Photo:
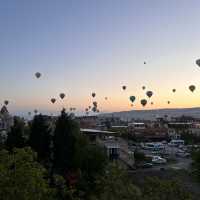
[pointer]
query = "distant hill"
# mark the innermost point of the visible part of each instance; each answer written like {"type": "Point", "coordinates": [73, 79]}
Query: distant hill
{"type": "Point", "coordinates": [152, 114]}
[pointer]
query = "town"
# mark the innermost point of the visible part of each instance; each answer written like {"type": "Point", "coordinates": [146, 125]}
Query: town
{"type": "Point", "coordinates": [138, 146]}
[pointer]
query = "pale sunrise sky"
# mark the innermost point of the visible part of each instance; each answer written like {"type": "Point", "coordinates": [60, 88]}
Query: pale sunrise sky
{"type": "Point", "coordinates": [85, 46]}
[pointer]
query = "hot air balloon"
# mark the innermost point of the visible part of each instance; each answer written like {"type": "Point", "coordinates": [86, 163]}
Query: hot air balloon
{"type": "Point", "coordinates": [38, 74]}
{"type": "Point", "coordinates": [6, 102]}
{"type": "Point", "coordinates": [71, 109]}
{"type": "Point", "coordinates": [143, 87]}
{"type": "Point", "coordinates": [132, 98]}
{"type": "Point", "coordinates": [93, 94]}
{"type": "Point", "coordinates": [198, 62]}
{"type": "Point", "coordinates": [94, 109]}
{"type": "Point", "coordinates": [143, 102]}
{"type": "Point", "coordinates": [151, 103]}
{"type": "Point", "coordinates": [131, 105]}
{"type": "Point", "coordinates": [106, 98]}
{"type": "Point", "coordinates": [86, 110]}
{"type": "Point", "coordinates": [149, 94]}
{"type": "Point", "coordinates": [62, 95]}
{"type": "Point", "coordinates": [145, 63]}
{"type": "Point", "coordinates": [89, 107]}
{"type": "Point", "coordinates": [192, 88]}
{"type": "Point", "coordinates": [74, 109]}
{"type": "Point", "coordinates": [53, 100]}
{"type": "Point", "coordinates": [174, 90]}
{"type": "Point", "coordinates": [123, 87]}
{"type": "Point", "coordinates": [35, 111]}
{"type": "Point", "coordinates": [95, 104]}
{"type": "Point", "coordinates": [168, 102]}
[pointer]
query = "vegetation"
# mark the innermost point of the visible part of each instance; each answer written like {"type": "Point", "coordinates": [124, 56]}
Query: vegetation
{"type": "Point", "coordinates": [21, 177]}
{"type": "Point", "coordinates": [60, 163]}
{"type": "Point", "coordinates": [156, 189]}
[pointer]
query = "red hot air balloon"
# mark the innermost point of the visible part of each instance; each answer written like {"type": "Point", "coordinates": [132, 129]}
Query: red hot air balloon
{"type": "Point", "coordinates": [95, 104]}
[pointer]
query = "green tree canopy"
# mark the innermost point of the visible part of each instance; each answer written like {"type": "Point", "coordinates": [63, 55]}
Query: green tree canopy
{"type": "Point", "coordinates": [21, 177]}
{"type": "Point", "coordinates": [40, 137]}
{"type": "Point", "coordinates": [156, 189]}
{"type": "Point", "coordinates": [16, 136]}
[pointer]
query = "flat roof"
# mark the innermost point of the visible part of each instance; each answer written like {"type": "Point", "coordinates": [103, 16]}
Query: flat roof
{"type": "Point", "coordinates": [94, 131]}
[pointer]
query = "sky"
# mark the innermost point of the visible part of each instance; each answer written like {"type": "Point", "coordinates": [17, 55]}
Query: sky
{"type": "Point", "coordinates": [89, 46]}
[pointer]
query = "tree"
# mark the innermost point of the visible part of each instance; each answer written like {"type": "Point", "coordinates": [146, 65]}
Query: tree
{"type": "Point", "coordinates": [16, 136]}
{"type": "Point", "coordinates": [21, 177]}
{"type": "Point", "coordinates": [139, 156]}
{"type": "Point", "coordinates": [115, 185]}
{"type": "Point", "coordinates": [196, 164]}
{"type": "Point", "coordinates": [156, 189]}
{"type": "Point", "coordinates": [65, 137]}
{"type": "Point", "coordinates": [40, 137]}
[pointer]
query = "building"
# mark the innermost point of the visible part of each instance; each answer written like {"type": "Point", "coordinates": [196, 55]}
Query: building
{"type": "Point", "coordinates": [6, 122]}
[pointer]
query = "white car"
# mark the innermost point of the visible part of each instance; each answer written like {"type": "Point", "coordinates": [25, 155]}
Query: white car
{"type": "Point", "coordinates": [158, 160]}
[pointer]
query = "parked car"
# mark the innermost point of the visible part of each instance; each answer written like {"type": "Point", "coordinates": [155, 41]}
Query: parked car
{"type": "Point", "coordinates": [147, 165]}
{"type": "Point", "coordinates": [144, 165]}
{"type": "Point", "coordinates": [158, 160]}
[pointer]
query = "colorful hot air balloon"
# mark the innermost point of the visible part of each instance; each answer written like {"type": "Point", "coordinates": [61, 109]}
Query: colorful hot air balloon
{"type": "Point", "coordinates": [6, 102]}
{"type": "Point", "coordinates": [149, 94]}
{"type": "Point", "coordinates": [192, 88]}
{"type": "Point", "coordinates": [198, 62]}
{"type": "Point", "coordinates": [143, 87]}
{"type": "Point", "coordinates": [93, 94]}
{"type": "Point", "coordinates": [174, 90]}
{"type": "Point", "coordinates": [38, 74]}
{"type": "Point", "coordinates": [62, 95]}
{"type": "Point", "coordinates": [132, 98]}
{"type": "Point", "coordinates": [143, 102]}
{"type": "Point", "coordinates": [53, 100]}
{"type": "Point", "coordinates": [123, 87]}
